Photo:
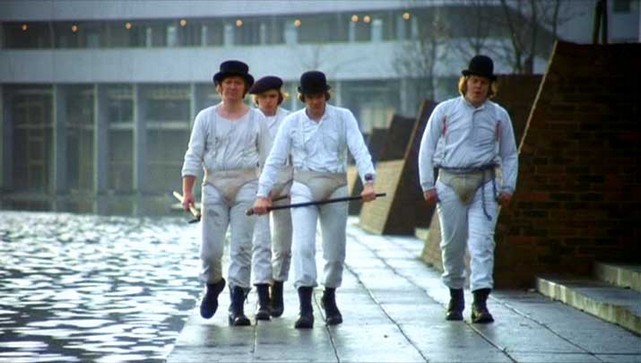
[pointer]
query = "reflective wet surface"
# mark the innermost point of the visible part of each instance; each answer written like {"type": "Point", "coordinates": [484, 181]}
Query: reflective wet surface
{"type": "Point", "coordinates": [83, 288]}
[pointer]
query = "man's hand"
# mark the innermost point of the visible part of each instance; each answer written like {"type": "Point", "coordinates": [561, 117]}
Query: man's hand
{"type": "Point", "coordinates": [261, 204]}
{"type": "Point", "coordinates": [430, 197]}
{"type": "Point", "coordinates": [504, 199]}
{"type": "Point", "coordinates": [188, 201]}
{"type": "Point", "coordinates": [368, 194]}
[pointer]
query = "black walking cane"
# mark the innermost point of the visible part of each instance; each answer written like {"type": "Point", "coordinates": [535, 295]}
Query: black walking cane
{"type": "Point", "coordinates": [250, 211]}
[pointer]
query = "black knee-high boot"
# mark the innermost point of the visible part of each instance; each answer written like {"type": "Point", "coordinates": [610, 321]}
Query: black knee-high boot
{"type": "Point", "coordinates": [263, 313]}
{"type": "Point", "coordinates": [236, 310]}
{"type": "Point", "coordinates": [306, 317]}
{"type": "Point", "coordinates": [276, 298]}
{"type": "Point", "coordinates": [456, 306]}
{"type": "Point", "coordinates": [209, 303]}
{"type": "Point", "coordinates": [480, 313]}
{"type": "Point", "coordinates": [328, 302]}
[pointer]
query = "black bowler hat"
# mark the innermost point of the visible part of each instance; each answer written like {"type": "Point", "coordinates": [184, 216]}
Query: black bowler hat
{"type": "Point", "coordinates": [313, 82]}
{"type": "Point", "coordinates": [265, 84]}
{"type": "Point", "coordinates": [480, 65]}
{"type": "Point", "coordinates": [233, 68]}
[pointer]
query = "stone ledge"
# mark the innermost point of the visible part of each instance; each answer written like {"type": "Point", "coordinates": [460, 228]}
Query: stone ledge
{"type": "Point", "coordinates": [610, 303]}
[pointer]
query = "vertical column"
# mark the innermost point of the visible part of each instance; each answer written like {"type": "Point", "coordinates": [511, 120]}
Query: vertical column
{"type": "Point", "coordinates": [6, 146]}
{"type": "Point", "coordinates": [228, 35]}
{"type": "Point", "coordinates": [203, 36]}
{"type": "Point", "coordinates": [351, 32]}
{"type": "Point", "coordinates": [377, 30]}
{"type": "Point", "coordinates": [149, 37]}
{"type": "Point", "coordinates": [140, 148]}
{"type": "Point", "coordinates": [263, 33]}
{"type": "Point", "coordinates": [59, 178]}
{"type": "Point", "coordinates": [101, 150]}
{"type": "Point", "coordinates": [291, 33]}
{"type": "Point", "coordinates": [400, 28]}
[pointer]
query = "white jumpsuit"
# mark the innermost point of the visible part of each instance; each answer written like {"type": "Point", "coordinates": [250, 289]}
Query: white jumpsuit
{"type": "Point", "coordinates": [318, 147]}
{"type": "Point", "coordinates": [222, 147]}
{"type": "Point", "coordinates": [460, 137]}
{"type": "Point", "coordinates": [272, 252]}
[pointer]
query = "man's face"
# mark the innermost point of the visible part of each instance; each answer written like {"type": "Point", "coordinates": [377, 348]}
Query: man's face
{"type": "Point", "coordinates": [268, 101]}
{"type": "Point", "coordinates": [233, 88]}
{"type": "Point", "coordinates": [477, 90]}
{"type": "Point", "coordinates": [315, 103]}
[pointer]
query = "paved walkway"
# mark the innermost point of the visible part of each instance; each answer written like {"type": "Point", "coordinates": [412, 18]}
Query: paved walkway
{"type": "Point", "coordinates": [393, 306]}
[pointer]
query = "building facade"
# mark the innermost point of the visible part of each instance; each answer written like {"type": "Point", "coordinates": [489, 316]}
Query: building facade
{"type": "Point", "coordinates": [97, 97]}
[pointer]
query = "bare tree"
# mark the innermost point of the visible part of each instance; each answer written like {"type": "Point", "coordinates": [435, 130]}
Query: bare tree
{"type": "Point", "coordinates": [532, 26]}
{"type": "Point", "coordinates": [417, 59]}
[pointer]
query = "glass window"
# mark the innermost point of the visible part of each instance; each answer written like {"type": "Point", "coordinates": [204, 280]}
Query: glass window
{"type": "Point", "coordinates": [622, 6]}
{"type": "Point", "coordinates": [189, 33]}
{"type": "Point", "coordinates": [247, 31]}
{"type": "Point", "coordinates": [214, 32]}
{"type": "Point", "coordinates": [27, 35]}
{"type": "Point", "coordinates": [30, 110]}
{"type": "Point", "coordinates": [324, 28]}
{"type": "Point", "coordinates": [168, 103]}
{"type": "Point", "coordinates": [120, 104]}
{"type": "Point", "coordinates": [69, 35]}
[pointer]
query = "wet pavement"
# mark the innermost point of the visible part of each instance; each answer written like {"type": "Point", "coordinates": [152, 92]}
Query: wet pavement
{"type": "Point", "coordinates": [82, 288]}
{"type": "Point", "coordinates": [393, 310]}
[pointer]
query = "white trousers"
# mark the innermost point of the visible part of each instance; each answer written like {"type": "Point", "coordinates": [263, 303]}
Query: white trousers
{"type": "Point", "coordinates": [333, 224]}
{"type": "Point", "coordinates": [467, 226]}
{"type": "Point", "coordinates": [281, 241]}
{"type": "Point", "coordinates": [272, 252]}
{"type": "Point", "coordinates": [217, 216]}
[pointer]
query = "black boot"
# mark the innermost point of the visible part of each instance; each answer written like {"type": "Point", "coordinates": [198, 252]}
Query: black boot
{"type": "Point", "coordinates": [236, 310]}
{"type": "Point", "coordinates": [306, 317]}
{"type": "Point", "coordinates": [480, 314]}
{"type": "Point", "coordinates": [277, 305]}
{"type": "Point", "coordinates": [328, 302]}
{"type": "Point", "coordinates": [209, 303]}
{"type": "Point", "coordinates": [456, 306]}
{"type": "Point", "coordinates": [263, 313]}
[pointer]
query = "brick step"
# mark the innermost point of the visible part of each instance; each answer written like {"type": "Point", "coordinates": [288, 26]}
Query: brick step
{"type": "Point", "coordinates": [618, 274]}
{"type": "Point", "coordinates": [615, 304]}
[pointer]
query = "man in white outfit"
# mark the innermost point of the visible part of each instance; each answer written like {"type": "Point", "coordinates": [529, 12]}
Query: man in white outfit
{"type": "Point", "coordinates": [229, 141]}
{"type": "Point", "coordinates": [317, 139]}
{"type": "Point", "coordinates": [276, 246]}
{"type": "Point", "coordinates": [466, 139]}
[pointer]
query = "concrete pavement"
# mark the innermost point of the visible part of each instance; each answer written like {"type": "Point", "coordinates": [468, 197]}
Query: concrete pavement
{"type": "Point", "coordinates": [393, 310]}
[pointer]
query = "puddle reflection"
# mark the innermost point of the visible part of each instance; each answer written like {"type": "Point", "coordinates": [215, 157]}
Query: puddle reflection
{"type": "Point", "coordinates": [79, 288]}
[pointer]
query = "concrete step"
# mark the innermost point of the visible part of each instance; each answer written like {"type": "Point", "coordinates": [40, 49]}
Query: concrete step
{"type": "Point", "coordinates": [618, 274]}
{"type": "Point", "coordinates": [617, 305]}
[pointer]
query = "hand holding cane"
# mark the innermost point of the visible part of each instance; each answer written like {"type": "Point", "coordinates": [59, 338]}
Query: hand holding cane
{"type": "Point", "coordinates": [192, 208]}
{"type": "Point", "coordinates": [250, 211]}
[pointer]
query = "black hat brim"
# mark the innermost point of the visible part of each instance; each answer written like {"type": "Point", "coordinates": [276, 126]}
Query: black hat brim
{"type": "Point", "coordinates": [220, 76]}
{"type": "Point", "coordinates": [472, 73]}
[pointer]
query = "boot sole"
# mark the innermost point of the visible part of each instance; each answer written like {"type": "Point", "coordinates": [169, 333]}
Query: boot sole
{"type": "Point", "coordinates": [263, 315]}
{"type": "Point", "coordinates": [482, 319]}
{"type": "Point", "coordinates": [239, 321]}
{"type": "Point", "coordinates": [454, 316]}
{"type": "Point", "coordinates": [303, 323]}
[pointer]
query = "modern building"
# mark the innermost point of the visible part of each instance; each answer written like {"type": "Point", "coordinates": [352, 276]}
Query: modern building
{"type": "Point", "coordinates": [97, 97]}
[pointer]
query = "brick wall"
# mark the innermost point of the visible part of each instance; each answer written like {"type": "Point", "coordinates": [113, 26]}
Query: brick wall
{"type": "Point", "coordinates": [578, 197]}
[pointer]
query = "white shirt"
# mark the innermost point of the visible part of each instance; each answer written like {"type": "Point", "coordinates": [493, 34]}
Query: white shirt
{"type": "Point", "coordinates": [274, 122]}
{"type": "Point", "coordinates": [217, 143]}
{"type": "Point", "coordinates": [459, 135]}
{"type": "Point", "coordinates": [317, 146]}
